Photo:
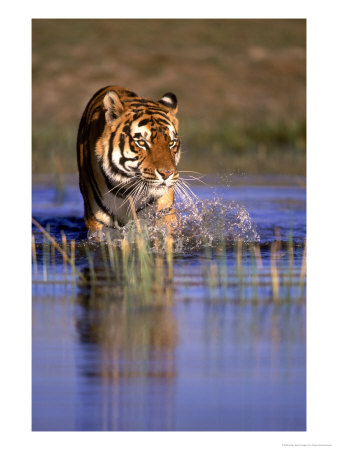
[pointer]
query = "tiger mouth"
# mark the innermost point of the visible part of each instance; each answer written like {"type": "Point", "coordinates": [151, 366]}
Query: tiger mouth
{"type": "Point", "coordinates": [160, 184]}
{"type": "Point", "coordinates": [159, 188]}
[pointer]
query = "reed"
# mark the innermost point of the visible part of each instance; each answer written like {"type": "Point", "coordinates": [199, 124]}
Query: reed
{"type": "Point", "coordinates": [52, 250]}
{"type": "Point", "coordinates": [206, 270]}
{"type": "Point", "coordinates": [47, 246]}
{"type": "Point", "coordinates": [223, 270]}
{"type": "Point", "coordinates": [258, 256]}
{"type": "Point", "coordinates": [290, 270]}
{"type": "Point", "coordinates": [239, 254]}
{"type": "Point", "coordinates": [133, 210]}
{"type": "Point", "coordinates": [35, 264]}
{"type": "Point", "coordinates": [159, 276]}
{"type": "Point", "coordinates": [72, 256]}
{"type": "Point", "coordinates": [143, 267]}
{"type": "Point", "coordinates": [169, 242]}
{"type": "Point", "coordinates": [44, 260]}
{"type": "Point", "coordinates": [302, 272]}
{"type": "Point", "coordinates": [111, 250]}
{"type": "Point", "coordinates": [133, 270]}
{"type": "Point", "coordinates": [274, 272]}
{"type": "Point", "coordinates": [57, 246]}
{"type": "Point", "coordinates": [213, 278]}
{"type": "Point", "coordinates": [125, 249]}
{"type": "Point", "coordinates": [239, 268]}
{"type": "Point", "coordinates": [278, 240]}
{"type": "Point", "coordinates": [290, 250]}
{"type": "Point", "coordinates": [254, 277]}
{"type": "Point", "coordinates": [92, 273]}
{"type": "Point", "coordinates": [115, 259]}
{"type": "Point", "coordinates": [104, 257]}
{"type": "Point", "coordinates": [64, 252]}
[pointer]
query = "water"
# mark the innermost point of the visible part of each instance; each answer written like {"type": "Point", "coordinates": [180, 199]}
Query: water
{"type": "Point", "coordinates": [212, 357]}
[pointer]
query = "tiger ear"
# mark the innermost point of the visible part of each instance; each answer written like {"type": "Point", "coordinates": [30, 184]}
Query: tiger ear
{"type": "Point", "coordinates": [170, 101]}
{"type": "Point", "coordinates": [113, 106]}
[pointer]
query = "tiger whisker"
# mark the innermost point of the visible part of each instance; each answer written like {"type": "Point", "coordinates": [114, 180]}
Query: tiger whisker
{"type": "Point", "coordinates": [185, 186]}
{"type": "Point", "coordinates": [195, 179]}
{"type": "Point", "coordinates": [131, 193]}
{"type": "Point", "coordinates": [128, 196]}
{"type": "Point", "coordinates": [186, 194]}
{"type": "Point", "coordinates": [139, 192]}
{"type": "Point", "coordinates": [182, 192]}
{"type": "Point", "coordinates": [134, 179]}
{"type": "Point", "coordinates": [132, 186]}
{"type": "Point", "coordinates": [120, 184]}
{"type": "Point", "coordinates": [136, 194]}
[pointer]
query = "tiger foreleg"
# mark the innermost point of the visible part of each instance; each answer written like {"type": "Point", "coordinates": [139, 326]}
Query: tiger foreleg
{"type": "Point", "coordinates": [169, 217]}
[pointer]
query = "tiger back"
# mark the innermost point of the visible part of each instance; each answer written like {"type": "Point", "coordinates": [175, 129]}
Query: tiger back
{"type": "Point", "coordinates": [127, 149]}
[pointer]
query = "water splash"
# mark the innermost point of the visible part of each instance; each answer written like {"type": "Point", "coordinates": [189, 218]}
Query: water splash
{"type": "Point", "coordinates": [209, 222]}
{"type": "Point", "coordinates": [203, 223]}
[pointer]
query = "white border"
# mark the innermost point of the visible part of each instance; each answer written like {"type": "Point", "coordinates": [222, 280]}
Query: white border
{"type": "Point", "coordinates": [322, 18]}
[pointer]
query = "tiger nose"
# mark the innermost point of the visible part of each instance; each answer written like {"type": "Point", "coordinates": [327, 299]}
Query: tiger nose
{"type": "Point", "coordinates": [165, 173]}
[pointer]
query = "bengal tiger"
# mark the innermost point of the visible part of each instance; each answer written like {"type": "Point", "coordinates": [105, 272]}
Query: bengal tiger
{"type": "Point", "coordinates": [127, 147]}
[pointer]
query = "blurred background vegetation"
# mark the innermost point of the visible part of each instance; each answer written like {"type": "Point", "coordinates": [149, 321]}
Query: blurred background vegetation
{"type": "Point", "coordinates": [241, 87]}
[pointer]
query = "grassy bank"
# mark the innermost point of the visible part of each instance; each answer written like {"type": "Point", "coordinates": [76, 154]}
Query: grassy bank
{"type": "Point", "coordinates": [240, 86]}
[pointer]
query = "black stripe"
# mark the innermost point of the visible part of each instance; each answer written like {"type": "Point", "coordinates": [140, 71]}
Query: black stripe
{"type": "Point", "coordinates": [126, 128]}
{"type": "Point", "coordinates": [143, 122]}
{"type": "Point", "coordinates": [140, 162]}
{"type": "Point", "coordinates": [155, 110]}
{"type": "Point", "coordinates": [133, 147]}
{"type": "Point", "coordinates": [94, 187]}
{"type": "Point", "coordinates": [112, 165]}
{"type": "Point", "coordinates": [110, 151]}
{"type": "Point", "coordinates": [97, 197]}
{"type": "Point", "coordinates": [91, 177]}
{"type": "Point", "coordinates": [158, 113]}
{"type": "Point", "coordinates": [121, 143]}
{"type": "Point", "coordinates": [123, 159]}
{"type": "Point", "coordinates": [109, 183]}
{"type": "Point", "coordinates": [117, 171]}
{"type": "Point", "coordinates": [137, 114]}
{"type": "Point", "coordinates": [130, 93]}
{"type": "Point", "coordinates": [163, 121]}
{"type": "Point", "coordinates": [141, 102]}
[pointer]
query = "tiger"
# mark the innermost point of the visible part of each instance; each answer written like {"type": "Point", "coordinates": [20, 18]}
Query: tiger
{"type": "Point", "coordinates": [128, 149]}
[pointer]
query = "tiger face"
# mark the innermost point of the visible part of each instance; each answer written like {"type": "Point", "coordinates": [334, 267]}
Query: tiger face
{"type": "Point", "coordinates": [141, 143]}
{"type": "Point", "coordinates": [128, 149]}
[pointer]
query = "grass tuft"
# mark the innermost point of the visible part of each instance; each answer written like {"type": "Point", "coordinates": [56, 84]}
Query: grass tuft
{"type": "Point", "coordinates": [134, 272]}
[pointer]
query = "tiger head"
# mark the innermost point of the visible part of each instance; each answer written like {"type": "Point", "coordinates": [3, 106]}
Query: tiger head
{"type": "Point", "coordinates": [140, 142]}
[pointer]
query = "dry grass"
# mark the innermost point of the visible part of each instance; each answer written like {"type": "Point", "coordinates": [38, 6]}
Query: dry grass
{"type": "Point", "coordinates": [240, 84]}
{"type": "Point", "coordinates": [133, 273]}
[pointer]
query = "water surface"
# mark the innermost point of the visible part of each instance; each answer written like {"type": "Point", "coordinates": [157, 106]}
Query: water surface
{"type": "Point", "coordinates": [211, 358]}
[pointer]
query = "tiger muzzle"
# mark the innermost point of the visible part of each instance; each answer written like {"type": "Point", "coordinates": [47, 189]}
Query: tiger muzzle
{"type": "Point", "coordinates": [166, 173]}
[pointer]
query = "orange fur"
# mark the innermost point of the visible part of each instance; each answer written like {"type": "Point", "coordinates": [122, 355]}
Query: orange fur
{"type": "Point", "coordinates": [127, 146]}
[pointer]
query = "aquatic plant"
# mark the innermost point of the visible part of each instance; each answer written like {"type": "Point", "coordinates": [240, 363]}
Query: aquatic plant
{"type": "Point", "coordinates": [141, 269]}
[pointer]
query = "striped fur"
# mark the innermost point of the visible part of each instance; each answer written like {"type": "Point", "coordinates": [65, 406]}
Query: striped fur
{"type": "Point", "coordinates": [127, 146]}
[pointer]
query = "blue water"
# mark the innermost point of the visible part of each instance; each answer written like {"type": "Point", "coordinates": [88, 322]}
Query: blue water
{"type": "Point", "coordinates": [268, 206]}
{"type": "Point", "coordinates": [195, 364]}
